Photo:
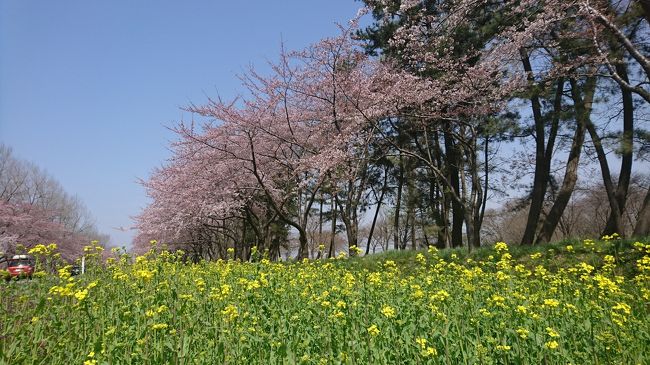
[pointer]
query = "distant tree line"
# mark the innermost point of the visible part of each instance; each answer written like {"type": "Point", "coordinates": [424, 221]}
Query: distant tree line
{"type": "Point", "coordinates": [436, 112]}
{"type": "Point", "coordinates": [35, 209]}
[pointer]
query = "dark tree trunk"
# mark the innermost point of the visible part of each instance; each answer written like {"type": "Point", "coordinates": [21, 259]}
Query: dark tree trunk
{"type": "Point", "coordinates": [413, 240]}
{"type": "Point", "coordinates": [332, 249]}
{"type": "Point", "coordinates": [303, 250]}
{"type": "Point", "coordinates": [477, 198]}
{"type": "Point", "coordinates": [441, 214]}
{"type": "Point", "coordinates": [486, 186]}
{"type": "Point", "coordinates": [374, 218]}
{"type": "Point", "coordinates": [274, 248]}
{"type": "Point", "coordinates": [407, 227]}
{"type": "Point", "coordinates": [540, 178]}
{"type": "Point", "coordinates": [239, 246]}
{"type": "Point", "coordinates": [320, 217]}
{"type": "Point", "coordinates": [456, 208]}
{"type": "Point", "coordinates": [442, 201]}
{"type": "Point", "coordinates": [398, 203]}
{"type": "Point", "coordinates": [411, 201]}
{"type": "Point", "coordinates": [615, 211]}
{"type": "Point", "coordinates": [626, 152]}
{"type": "Point", "coordinates": [583, 106]}
{"type": "Point", "coordinates": [543, 153]}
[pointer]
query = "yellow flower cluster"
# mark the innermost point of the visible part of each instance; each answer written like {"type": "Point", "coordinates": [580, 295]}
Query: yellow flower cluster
{"type": "Point", "coordinates": [388, 311]}
{"type": "Point", "coordinates": [501, 308]}
{"type": "Point", "coordinates": [373, 330]}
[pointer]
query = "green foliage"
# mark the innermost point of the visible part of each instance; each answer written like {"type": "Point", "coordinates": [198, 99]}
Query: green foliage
{"type": "Point", "coordinates": [572, 302]}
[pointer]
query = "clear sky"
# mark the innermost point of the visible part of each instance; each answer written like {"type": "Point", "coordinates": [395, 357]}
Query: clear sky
{"type": "Point", "coordinates": [87, 87]}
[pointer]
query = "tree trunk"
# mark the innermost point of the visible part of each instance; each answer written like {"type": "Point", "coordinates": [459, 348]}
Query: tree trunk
{"type": "Point", "coordinates": [456, 208]}
{"type": "Point", "coordinates": [398, 203]}
{"type": "Point", "coordinates": [407, 227]}
{"type": "Point", "coordinates": [303, 250]}
{"type": "Point", "coordinates": [583, 108]}
{"type": "Point", "coordinates": [411, 201]}
{"type": "Point", "coordinates": [274, 249]}
{"type": "Point", "coordinates": [332, 249]}
{"type": "Point", "coordinates": [414, 245]}
{"type": "Point", "coordinates": [543, 153]}
{"type": "Point", "coordinates": [374, 218]}
{"type": "Point", "coordinates": [540, 178]}
{"type": "Point", "coordinates": [240, 247]}
{"type": "Point", "coordinates": [441, 215]}
{"type": "Point", "coordinates": [441, 200]}
{"type": "Point", "coordinates": [486, 186]}
{"type": "Point", "coordinates": [472, 239]}
{"type": "Point", "coordinates": [626, 152]}
{"type": "Point", "coordinates": [320, 218]}
{"type": "Point", "coordinates": [344, 210]}
{"type": "Point", "coordinates": [642, 227]}
{"type": "Point", "coordinates": [477, 198]}
{"type": "Point", "coordinates": [615, 210]}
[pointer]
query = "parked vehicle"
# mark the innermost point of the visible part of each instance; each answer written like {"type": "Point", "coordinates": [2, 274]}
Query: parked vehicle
{"type": "Point", "coordinates": [20, 266]}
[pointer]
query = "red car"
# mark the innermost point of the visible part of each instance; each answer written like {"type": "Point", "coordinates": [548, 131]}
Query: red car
{"type": "Point", "coordinates": [20, 265]}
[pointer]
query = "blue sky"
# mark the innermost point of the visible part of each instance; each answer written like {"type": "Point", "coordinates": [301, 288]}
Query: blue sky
{"type": "Point", "coordinates": [88, 87]}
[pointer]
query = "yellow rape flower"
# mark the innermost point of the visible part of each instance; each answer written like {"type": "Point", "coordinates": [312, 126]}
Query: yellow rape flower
{"type": "Point", "coordinates": [388, 311]}
{"type": "Point", "coordinates": [523, 333]}
{"type": "Point", "coordinates": [500, 247]}
{"type": "Point", "coordinates": [551, 303]}
{"type": "Point", "coordinates": [497, 301]}
{"type": "Point", "coordinates": [81, 294]}
{"type": "Point", "coordinates": [374, 278]}
{"type": "Point", "coordinates": [440, 296]}
{"type": "Point", "coordinates": [503, 348]}
{"type": "Point", "coordinates": [552, 345]}
{"type": "Point", "coordinates": [623, 308]}
{"type": "Point", "coordinates": [230, 312]}
{"type": "Point", "coordinates": [429, 351]}
{"type": "Point", "coordinates": [159, 326]}
{"type": "Point", "coordinates": [64, 273]}
{"type": "Point", "coordinates": [373, 330]}
{"type": "Point", "coordinates": [552, 333]}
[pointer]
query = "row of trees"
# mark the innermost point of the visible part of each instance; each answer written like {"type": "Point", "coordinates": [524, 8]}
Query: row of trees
{"type": "Point", "coordinates": [586, 214]}
{"type": "Point", "coordinates": [35, 209]}
{"type": "Point", "coordinates": [416, 116]}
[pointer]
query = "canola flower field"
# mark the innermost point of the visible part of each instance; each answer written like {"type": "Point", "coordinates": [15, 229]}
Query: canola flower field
{"type": "Point", "coordinates": [454, 310]}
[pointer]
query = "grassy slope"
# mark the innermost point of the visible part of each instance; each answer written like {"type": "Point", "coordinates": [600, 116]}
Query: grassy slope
{"type": "Point", "coordinates": [555, 255]}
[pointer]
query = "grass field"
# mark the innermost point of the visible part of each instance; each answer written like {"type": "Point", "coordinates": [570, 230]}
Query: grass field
{"type": "Point", "coordinates": [581, 302]}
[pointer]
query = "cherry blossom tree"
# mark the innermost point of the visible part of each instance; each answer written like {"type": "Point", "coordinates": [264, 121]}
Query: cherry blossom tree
{"type": "Point", "coordinates": [270, 152]}
{"type": "Point", "coordinates": [34, 209]}
{"type": "Point", "coordinates": [317, 126]}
